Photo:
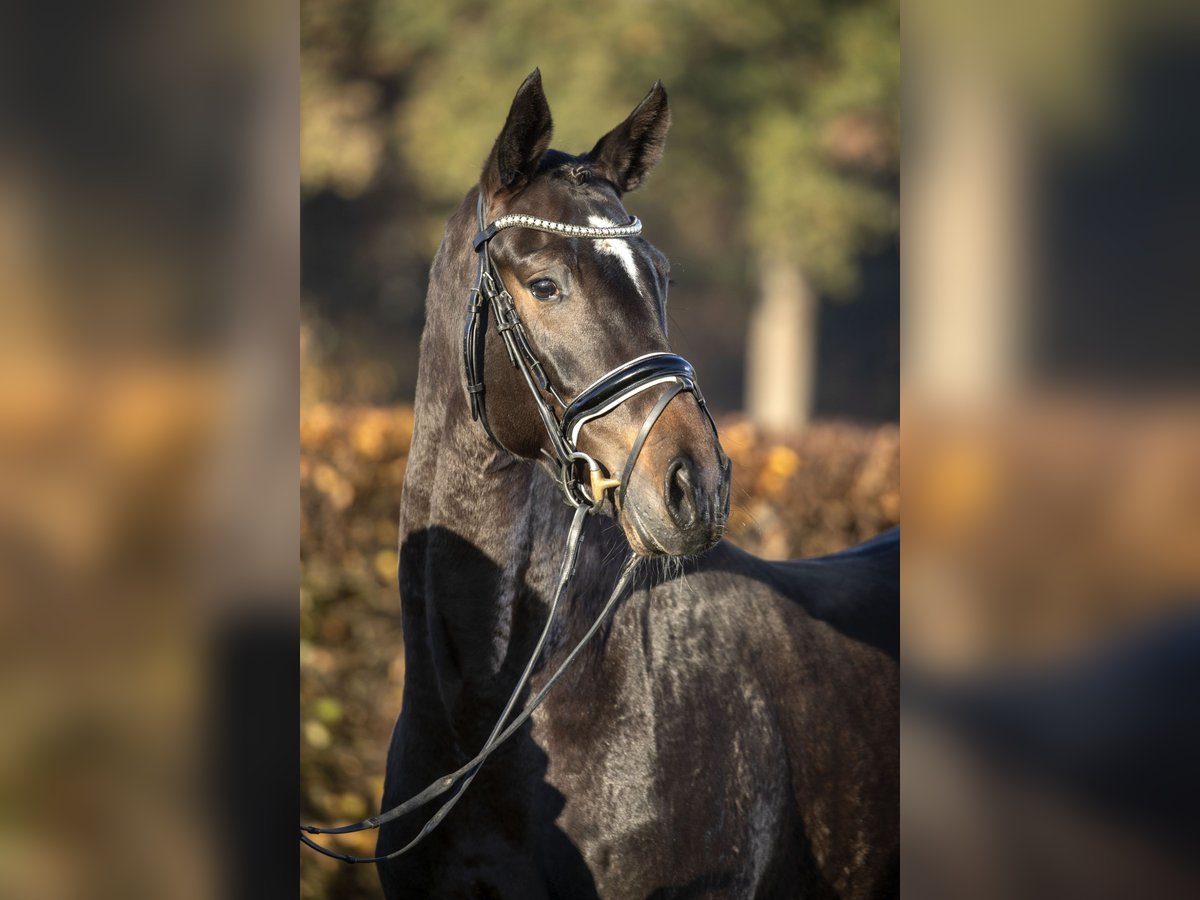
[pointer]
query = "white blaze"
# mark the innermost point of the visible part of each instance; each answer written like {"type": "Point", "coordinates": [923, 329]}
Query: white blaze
{"type": "Point", "coordinates": [618, 247]}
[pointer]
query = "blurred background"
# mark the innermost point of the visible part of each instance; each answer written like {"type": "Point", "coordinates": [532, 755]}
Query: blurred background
{"type": "Point", "coordinates": [149, 263]}
{"type": "Point", "coordinates": [1051, 563]}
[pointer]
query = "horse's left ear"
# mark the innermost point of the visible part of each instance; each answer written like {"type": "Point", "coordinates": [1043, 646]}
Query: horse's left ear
{"type": "Point", "coordinates": [628, 153]}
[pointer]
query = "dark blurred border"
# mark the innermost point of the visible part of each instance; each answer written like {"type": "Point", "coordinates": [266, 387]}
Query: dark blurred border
{"type": "Point", "coordinates": [1051, 428]}
{"type": "Point", "coordinates": [149, 275]}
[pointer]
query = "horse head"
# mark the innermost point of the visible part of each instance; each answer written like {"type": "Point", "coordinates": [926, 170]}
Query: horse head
{"type": "Point", "coordinates": [590, 311]}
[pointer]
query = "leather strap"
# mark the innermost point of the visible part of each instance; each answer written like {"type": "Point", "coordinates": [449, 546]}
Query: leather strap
{"type": "Point", "coordinates": [643, 433]}
{"type": "Point", "coordinates": [623, 382]}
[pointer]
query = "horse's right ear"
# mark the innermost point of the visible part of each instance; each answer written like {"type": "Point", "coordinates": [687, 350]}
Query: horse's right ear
{"type": "Point", "coordinates": [628, 153]}
{"type": "Point", "coordinates": [524, 138]}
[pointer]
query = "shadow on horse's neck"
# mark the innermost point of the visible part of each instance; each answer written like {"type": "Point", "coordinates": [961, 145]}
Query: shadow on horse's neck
{"type": "Point", "coordinates": [482, 533]}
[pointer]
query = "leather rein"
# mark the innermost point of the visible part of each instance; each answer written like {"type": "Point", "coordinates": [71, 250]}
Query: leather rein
{"type": "Point", "coordinates": [598, 399]}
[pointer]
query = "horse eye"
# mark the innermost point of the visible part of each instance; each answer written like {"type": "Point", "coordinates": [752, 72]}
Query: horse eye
{"type": "Point", "coordinates": [543, 289]}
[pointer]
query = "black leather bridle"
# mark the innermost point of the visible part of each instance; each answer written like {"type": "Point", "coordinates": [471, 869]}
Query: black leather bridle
{"type": "Point", "coordinates": [598, 399]}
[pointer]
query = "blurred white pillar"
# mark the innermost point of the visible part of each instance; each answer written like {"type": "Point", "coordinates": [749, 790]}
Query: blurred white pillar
{"type": "Point", "coordinates": [781, 351]}
{"type": "Point", "coordinates": [963, 279]}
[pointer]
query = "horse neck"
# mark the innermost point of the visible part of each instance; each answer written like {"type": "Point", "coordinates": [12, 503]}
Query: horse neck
{"type": "Point", "coordinates": [482, 533]}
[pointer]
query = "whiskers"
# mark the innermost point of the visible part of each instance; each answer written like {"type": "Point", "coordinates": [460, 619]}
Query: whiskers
{"type": "Point", "coordinates": [617, 547]}
{"type": "Point", "coordinates": [662, 569]}
{"type": "Point", "coordinates": [669, 568]}
{"type": "Point", "coordinates": [745, 508]}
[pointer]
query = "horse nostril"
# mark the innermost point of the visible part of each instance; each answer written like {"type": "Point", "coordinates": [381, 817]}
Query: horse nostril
{"type": "Point", "coordinates": [681, 493]}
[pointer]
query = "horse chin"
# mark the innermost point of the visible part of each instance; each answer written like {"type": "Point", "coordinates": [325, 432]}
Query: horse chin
{"type": "Point", "coordinates": [649, 537]}
{"type": "Point", "coordinates": [683, 515]}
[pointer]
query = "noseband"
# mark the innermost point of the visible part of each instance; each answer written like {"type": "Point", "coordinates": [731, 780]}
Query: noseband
{"type": "Point", "coordinates": [595, 401]}
{"type": "Point", "coordinates": [598, 399]}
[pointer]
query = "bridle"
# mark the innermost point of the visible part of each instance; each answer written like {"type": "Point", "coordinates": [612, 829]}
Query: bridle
{"type": "Point", "coordinates": [597, 400]}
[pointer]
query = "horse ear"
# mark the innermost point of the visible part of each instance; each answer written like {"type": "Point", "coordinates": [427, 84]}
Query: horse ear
{"type": "Point", "coordinates": [524, 138]}
{"type": "Point", "coordinates": [628, 153]}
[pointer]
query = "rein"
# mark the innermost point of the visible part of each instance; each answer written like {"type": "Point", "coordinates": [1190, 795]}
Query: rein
{"type": "Point", "coordinates": [598, 399]}
{"type": "Point", "coordinates": [500, 733]}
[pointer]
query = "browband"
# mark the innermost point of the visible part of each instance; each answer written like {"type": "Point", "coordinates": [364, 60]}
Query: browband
{"type": "Point", "coordinates": [520, 220]}
{"type": "Point", "coordinates": [598, 399]}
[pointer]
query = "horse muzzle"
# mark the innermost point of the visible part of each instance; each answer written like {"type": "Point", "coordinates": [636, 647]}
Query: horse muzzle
{"type": "Point", "coordinates": [676, 502]}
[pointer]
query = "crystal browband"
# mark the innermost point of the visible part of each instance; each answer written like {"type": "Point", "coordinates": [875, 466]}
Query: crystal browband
{"type": "Point", "coordinates": [589, 231]}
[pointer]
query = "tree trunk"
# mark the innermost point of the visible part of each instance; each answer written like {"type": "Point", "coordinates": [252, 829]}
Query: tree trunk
{"type": "Point", "coordinates": [781, 347]}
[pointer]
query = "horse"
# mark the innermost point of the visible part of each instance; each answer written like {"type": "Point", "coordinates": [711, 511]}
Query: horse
{"type": "Point", "coordinates": [733, 729]}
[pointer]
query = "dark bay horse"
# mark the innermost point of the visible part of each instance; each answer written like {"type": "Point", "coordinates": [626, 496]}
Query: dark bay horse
{"type": "Point", "coordinates": [733, 731]}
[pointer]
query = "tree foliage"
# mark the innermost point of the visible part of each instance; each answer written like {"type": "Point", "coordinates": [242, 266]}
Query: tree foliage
{"type": "Point", "coordinates": [786, 113]}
